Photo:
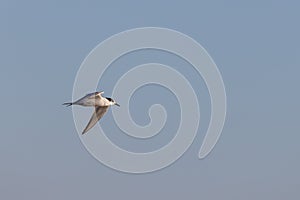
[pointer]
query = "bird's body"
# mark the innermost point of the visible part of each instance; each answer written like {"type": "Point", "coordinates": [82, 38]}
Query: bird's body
{"type": "Point", "coordinates": [96, 100]}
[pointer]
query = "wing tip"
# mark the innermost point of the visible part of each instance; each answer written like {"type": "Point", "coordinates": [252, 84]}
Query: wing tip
{"type": "Point", "coordinates": [83, 132]}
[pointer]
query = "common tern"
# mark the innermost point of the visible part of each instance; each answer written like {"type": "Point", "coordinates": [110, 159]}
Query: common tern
{"type": "Point", "coordinates": [96, 100]}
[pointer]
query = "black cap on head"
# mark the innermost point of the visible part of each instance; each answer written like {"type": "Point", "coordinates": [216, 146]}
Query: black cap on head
{"type": "Point", "coordinates": [109, 99]}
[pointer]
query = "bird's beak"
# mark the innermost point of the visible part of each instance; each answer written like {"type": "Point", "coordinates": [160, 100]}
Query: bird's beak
{"type": "Point", "coordinates": [117, 104]}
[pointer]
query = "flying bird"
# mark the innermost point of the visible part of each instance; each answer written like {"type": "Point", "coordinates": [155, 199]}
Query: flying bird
{"type": "Point", "coordinates": [96, 100]}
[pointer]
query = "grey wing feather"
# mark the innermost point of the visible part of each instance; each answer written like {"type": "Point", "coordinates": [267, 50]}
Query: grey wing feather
{"type": "Point", "coordinates": [95, 95]}
{"type": "Point", "coordinates": [97, 115]}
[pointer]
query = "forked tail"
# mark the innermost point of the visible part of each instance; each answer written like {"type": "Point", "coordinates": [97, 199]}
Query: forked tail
{"type": "Point", "coordinates": [67, 104]}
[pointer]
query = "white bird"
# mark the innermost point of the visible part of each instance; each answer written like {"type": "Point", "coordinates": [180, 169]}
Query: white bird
{"type": "Point", "coordinates": [96, 100]}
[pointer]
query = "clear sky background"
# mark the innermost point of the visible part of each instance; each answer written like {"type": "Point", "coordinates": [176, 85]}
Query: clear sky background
{"type": "Point", "coordinates": [256, 47]}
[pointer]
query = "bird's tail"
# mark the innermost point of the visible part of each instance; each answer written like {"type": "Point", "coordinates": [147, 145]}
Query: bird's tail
{"type": "Point", "coordinates": [67, 104]}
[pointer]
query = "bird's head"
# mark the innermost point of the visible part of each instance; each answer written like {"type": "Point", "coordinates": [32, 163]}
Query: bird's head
{"type": "Point", "coordinates": [112, 102]}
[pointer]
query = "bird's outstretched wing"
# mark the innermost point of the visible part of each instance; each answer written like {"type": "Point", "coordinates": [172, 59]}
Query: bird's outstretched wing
{"type": "Point", "coordinates": [99, 112]}
{"type": "Point", "coordinates": [95, 95]}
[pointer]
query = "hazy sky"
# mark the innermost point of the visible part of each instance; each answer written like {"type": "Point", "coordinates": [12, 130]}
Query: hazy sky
{"type": "Point", "coordinates": [256, 47]}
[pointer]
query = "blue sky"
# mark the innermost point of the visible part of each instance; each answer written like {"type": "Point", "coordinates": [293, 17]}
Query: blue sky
{"type": "Point", "coordinates": [256, 47]}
